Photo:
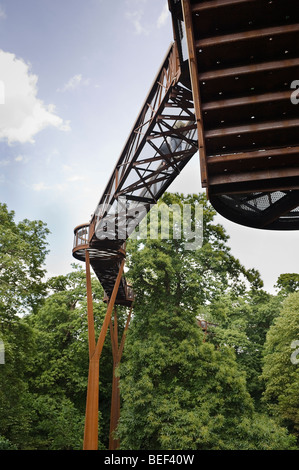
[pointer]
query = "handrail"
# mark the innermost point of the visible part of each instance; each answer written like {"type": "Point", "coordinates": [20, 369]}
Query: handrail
{"type": "Point", "coordinates": [81, 236]}
{"type": "Point", "coordinates": [83, 241]}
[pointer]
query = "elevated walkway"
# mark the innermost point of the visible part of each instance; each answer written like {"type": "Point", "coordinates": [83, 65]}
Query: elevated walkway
{"type": "Point", "coordinates": [244, 59]}
{"type": "Point", "coordinates": [162, 141]}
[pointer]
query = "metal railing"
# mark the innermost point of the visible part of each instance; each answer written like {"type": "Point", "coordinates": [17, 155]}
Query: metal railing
{"type": "Point", "coordinates": [81, 236]}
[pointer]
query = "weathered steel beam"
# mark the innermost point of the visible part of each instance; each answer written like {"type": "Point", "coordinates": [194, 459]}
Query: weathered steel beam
{"type": "Point", "coordinates": [260, 175]}
{"type": "Point", "coordinates": [117, 351]}
{"type": "Point", "coordinates": [252, 128]}
{"type": "Point", "coordinates": [254, 187]}
{"type": "Point", "coordinates": [246, 100]}
{"type": "Point", "coordinates": [283, 206]}
{"type": "Point", "coordinates": [260, 154]}
{"type": "Point", "coordinates": [193, 68]}
{"type": "Point", "coordinates": [271, 32]}
{"type": "Point", "coordinates": [248, 69]}
{"type": "Point", "coordinates": [214, 4]}
{"type": "Point", "coordinates": [92, 401]}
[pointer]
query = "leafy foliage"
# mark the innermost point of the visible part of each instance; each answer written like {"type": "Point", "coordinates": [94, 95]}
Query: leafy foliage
{"type": "Point", "coordinates": [280, 373]}
{"type": "Point", "coordinates": [22, 255]}
{"type": "Point", "coordinates": [242, 323]}
{"type": "Point", "coordinates": [181, 387]}
{"type": "Point", "coordinates": [287, 283]}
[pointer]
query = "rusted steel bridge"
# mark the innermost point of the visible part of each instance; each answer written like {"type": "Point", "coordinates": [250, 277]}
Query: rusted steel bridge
{"type": "Point", "coordinates": [162, 141]}
{"type": "Point", "coordinates": [224, 89]}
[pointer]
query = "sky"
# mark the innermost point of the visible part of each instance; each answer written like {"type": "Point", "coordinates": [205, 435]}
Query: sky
{"type": "Point", "coordinates": [73, 77]}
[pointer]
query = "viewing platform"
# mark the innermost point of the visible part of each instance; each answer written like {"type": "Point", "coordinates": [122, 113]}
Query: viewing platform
{"type": "Point", "coordinates": [244, 63]}
{"type": "Point", "coordinates": [105, 263]}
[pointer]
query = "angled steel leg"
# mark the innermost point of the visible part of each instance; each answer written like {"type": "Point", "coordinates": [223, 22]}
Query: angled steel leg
{"type": "Point", "coordinates": [115, 397]}
{"type": "Point", "coordinates": [95, 350]}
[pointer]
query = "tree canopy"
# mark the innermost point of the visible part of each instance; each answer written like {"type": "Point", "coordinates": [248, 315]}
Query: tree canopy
{"type": "Point", "coordinates": [281, 366]}
{"type": "Point", "coordinates": [181, 389]}
{"type": "Point", "coordinates": [23, 248]}
{"type": "Point", "coordinates": [231, 385]}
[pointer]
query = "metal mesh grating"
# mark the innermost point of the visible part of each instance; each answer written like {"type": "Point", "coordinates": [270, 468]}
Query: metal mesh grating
{"type": "Point", "coordinates": [276, 210]}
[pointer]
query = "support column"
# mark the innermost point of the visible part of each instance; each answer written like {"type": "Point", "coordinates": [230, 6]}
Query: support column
{"type": "Point", "coordinates": [95, 350]}
{"type": "Point", "coordinates": [115, 397]}
{"type": "Point", "coordinates": [92, 407]}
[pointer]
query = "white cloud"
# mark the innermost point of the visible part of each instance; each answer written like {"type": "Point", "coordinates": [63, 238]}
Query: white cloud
{"type": "Point", "coordinates": [74, 82]}
{"type": "Point", "coordinates": [76, 178]}
{"type": "Point", "coordinates": [22, 159]}
{"type": "Point", "coordinates": [2, 92]}
{"type": "Point", "coordinates": [40, 187]}
{"type": "Point", "coordinates": [23, 115]}
{"type": "Point", "coordinates": [135, 14]}
{"type": "Point", "coordinates": [135, 19]}
{"type": "Point", "coordinates": [66, 168]}
{"type": "Point", "coordinates": [72, 175]}
{"type": "Point", "coordinates": [2, 13]}
{"type": "Point", "coordinates": [163, 16]}
{"type": "Point", "coordinates": [58, 187]}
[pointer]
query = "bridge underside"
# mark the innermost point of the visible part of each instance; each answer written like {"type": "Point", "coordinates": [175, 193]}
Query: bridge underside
{"type": "Point", "coordinates": [244, 59]}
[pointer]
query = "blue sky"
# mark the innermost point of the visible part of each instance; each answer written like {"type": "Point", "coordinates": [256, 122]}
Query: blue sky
{"type": "Point", "coordinates": [76, 74]}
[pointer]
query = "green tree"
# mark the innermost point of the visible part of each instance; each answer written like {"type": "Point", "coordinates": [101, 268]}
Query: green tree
{"type": "Point", "coordinates": [188, 277]}
{"type": "Point", "coordinates": [15, 398]}
{"type": "Point", "coordinates": [23, 250]}
{"type": "Point", "coordinates": [179, 391]}
{"type": "Point", "coordinates": [243, 323]}
{"type": "Point", "coordinates": [5, 444]}
{"type": "Point", "coordinates": [22, 255]}
{"type": "Point", "coordinates": [281, 369]}
{"type": "Point", "coordinates": [174, 386]}
{"type": "Point", "coordinates": [287, 283]}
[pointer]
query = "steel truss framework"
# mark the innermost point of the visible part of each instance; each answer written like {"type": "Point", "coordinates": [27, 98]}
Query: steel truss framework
{"type": "Point", "coordinates": [161, 143]}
